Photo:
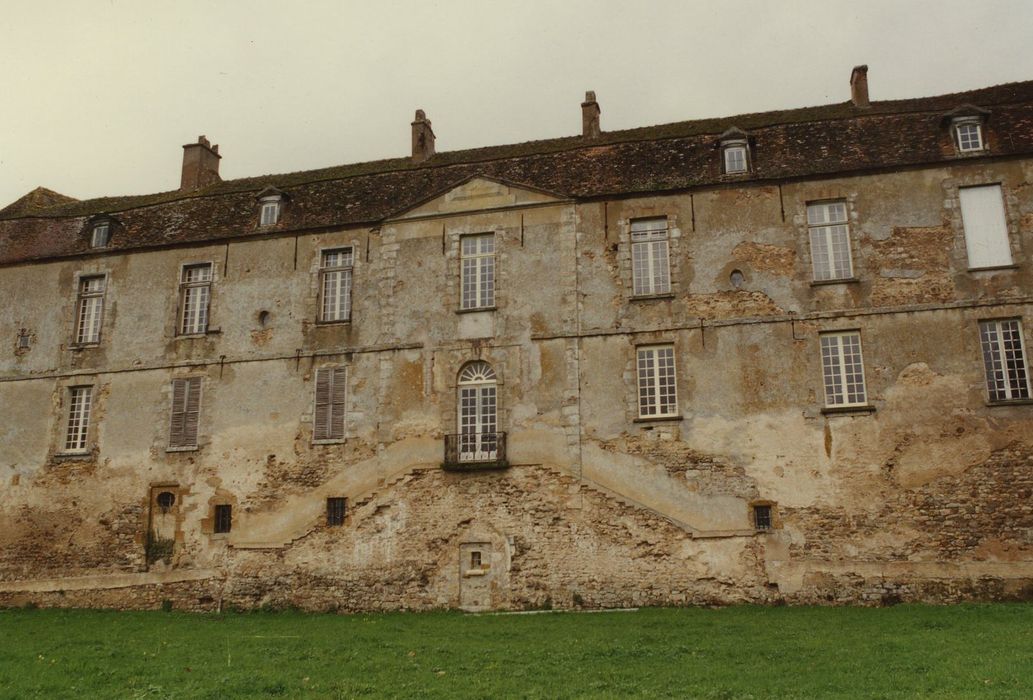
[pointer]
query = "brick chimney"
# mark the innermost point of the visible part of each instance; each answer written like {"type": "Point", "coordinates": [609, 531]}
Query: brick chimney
{"type": "Point", "coordinates": [422, 138]}
{"type": "Point", "coordinates": [590, 116]}
{"type": "Point", "coordinates": [859, 86]}
{"type": "Point", "coordinates": [200, 165]}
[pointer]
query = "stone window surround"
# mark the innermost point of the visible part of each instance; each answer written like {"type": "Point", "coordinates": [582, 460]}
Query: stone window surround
{"type": "Point", "coordinates": [62, 399]}
{"type": "Point", "coordinates": [820, 195]}
{"type": "Point", "coordinates": [320, 244]}
{"type": "Point", "coordinates": [454, 262]}
{"type": "Point", "coordinates": [952, 203]}
{"type": "Point", "coordinates": [674, 246]}
{"type": "Point", "coordinates": [496, 357]}
{"type": "Point", "coordinates": [90, 270]}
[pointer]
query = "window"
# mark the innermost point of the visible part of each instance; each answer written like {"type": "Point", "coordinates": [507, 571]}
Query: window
{"type": "Point", "coordinates": [223, 518]}
{"type": "Point", "coordinates": [269, 211]}
{"type": "Point", "coordinates": [735, 159]}
{"type": "Point", "coordinates": [830, 241]}
{"type": "Point", "coordinates": [478, 413]}
{"type": "Point", "coordinates": [843, 369]}
{"type": "Point", "coordinates": [331, 388]}
{"type": "Point", "coordinates": [79, 404]}
{"type": "Point", "coordinates": [194, 294]}
{"type": "Point", "coordinates": [335, 509]}
{"type": "Point", "coordinates": [186, 413]}
{"type": "Point", "coordinates": [335, 272]}
{"type": "Point", "coordinates": [969, 135]}
{"type": "Point", "coordinates": [986, 228]}
{"type": "Point", "coordinates": [1004, 358]}
{"type": "Point", "coordinates": [657, 391]}
{"type": "Point", "coordinates": [475, 559]}
{"type": "Point", "coordinates": [89, 310]}
{"type": "Point", "coordinates": [478, 271]}
{"type": "Point", "coordinates": [762, 517]}
{"type": "Point", "coordinates": [101, 235]}
{"type": "Point", "coordinates": [650, 261]}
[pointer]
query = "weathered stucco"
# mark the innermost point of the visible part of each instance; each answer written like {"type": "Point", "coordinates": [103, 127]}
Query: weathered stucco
{"type": "Point", "coordinates": [925, 496]}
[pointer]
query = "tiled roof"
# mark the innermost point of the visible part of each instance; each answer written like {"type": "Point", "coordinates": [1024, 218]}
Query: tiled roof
{"type": "Point", "coordinates": [798, 143]}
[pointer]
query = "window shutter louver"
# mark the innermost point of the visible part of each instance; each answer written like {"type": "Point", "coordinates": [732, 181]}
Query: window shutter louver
{"type": "Point", "coordinates": [186, 411]}
{"type": "Point", "coordinates": [331, 391]}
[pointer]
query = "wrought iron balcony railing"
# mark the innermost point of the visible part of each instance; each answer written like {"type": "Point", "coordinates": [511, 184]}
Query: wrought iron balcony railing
{"type": "Point", "coordinates": [469, 451]}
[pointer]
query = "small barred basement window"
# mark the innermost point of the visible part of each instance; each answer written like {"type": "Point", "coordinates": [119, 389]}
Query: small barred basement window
{"type": "Point", "coordinates": [762, 517]}
{"type": "Point", "coordinates": [475, 559]}
{"type": "Point", "coordinates": [24, 340]}
{"type": "Point", "coordinates": [223, 518]}
{"type": "Point", "coordinates": [335, 511]}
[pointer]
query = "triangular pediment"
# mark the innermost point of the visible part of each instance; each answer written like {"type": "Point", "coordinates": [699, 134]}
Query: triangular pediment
{"type": "Point", "coordinates": [479, 193]}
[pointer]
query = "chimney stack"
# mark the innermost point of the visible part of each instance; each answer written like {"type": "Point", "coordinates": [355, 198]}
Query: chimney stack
{"type": "Point", "coordinates": [422, 138]}
{"type": "Point", "coordinates": [590, 116]}
{"type": "Point", "coordinates": [859, 86]}
{"type": "Point", "coordinates": [200, 165]}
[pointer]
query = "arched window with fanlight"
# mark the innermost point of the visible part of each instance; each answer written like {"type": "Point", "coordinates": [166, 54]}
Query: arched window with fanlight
{"type": "Point", "coordinates": [478, 412]}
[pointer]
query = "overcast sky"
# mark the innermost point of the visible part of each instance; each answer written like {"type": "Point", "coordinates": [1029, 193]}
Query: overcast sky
{"type": "Point", "coordinates": [98, 96]}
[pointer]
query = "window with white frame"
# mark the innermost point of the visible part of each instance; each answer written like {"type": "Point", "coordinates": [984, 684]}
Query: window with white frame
{"type": "Point", "coordinates": [477, 253]}
{"type": "Point", "coordinates": [269, 210]}
{"type": "Point", "coordinates": [968, 134]}
{"type": "Point", "coordinates": [986, 226]}
{"type": "Point", "coordinates": [335, 284]}
{"type": "Point", "coordinates": [101, 235]}
{"type": "Point", "coordinates": [657, 384]}
{"type": "Point", "coordinates": [830, 241]}
{"type": "Point", "coordinates": [1004, 359]}
{"type": "Point", "coordinates": [478, 412]}
{"type": "Point", "coordinates": [194, 295]}
{"type": "Point", "coordinates": [650, 257]}
{"type": "Point", "coordinates": [79, 405]}
{"type": "Point", "coordinates": [843, 369]}
{"type": "Point", "coordinates": [89, 312]}
{"type": "Point", "coordinates": [331, 393]}
{"type": "Point", "coordinates": [186, 413]}
{"type": "Point", "coordinates": [735, 157]}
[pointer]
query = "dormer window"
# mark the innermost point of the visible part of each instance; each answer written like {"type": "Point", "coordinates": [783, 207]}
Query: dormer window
{"type": "Point", "coordinates": [101, 235]}
{"type": "Point", "coordinates": [968, 134]}
{"type": "Point", "coordinates": [270, 211]}
{"type": "Point", "coordinates": [735, 158]}
{"type": "Point", "coordinates": [735, 152]}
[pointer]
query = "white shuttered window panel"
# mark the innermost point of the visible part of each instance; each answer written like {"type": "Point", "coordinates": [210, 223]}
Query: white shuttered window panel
{"type": "Point", "coordinates": [331, 393]}
{"type": "Point", "coordinates": [986, 228]}
{"type": "Point", "coordinates": [186, 412]}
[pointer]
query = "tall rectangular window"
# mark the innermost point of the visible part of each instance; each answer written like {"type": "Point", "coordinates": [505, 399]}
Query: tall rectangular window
{"type": "Point", "coordinates": [650, 257]}
{"type": "Point", "coordinates": [335, 272]}
{"type": "Point", "coordinates": [478, 271]}
{"type": "Point", "coordinates": [986, 227]}
{"type": "Point", "coordinates": [1004, 359]}
{"type": "Point", "coordinates": [331, 392]}
{"type": "Point", "coordinates": [843, 369]}
{"type": "Point", "coordinates": [830, 241]}
{"type": "Point", "coordinates": [89, 310]}
{"type": "Point", "coordinates": [657, 385]}
{"type": "Point", "coordinates": [194, 295]}
{"type": "Point", "coordinates": [335, 509]}
{"type": "Point", "coordinates": [79, 404]}
{"type": "Point", "coordinates": [223, 518]}
{"type": "Point", "coordinates": [186, 412]}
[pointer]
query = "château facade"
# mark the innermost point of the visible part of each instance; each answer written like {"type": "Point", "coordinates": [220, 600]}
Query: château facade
{"type": "Point", "coordinates": [774, 357]}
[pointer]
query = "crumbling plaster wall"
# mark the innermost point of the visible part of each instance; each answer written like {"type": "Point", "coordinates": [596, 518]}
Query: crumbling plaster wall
{"type": "Point", "coordinates": [624, 512]}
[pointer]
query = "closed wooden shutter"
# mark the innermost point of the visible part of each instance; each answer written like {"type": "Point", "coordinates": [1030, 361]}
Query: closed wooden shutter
{"type": "Point", "coordinates": [331, 391]}
{"type": "Point", "coordinates": [986, 226]}
{"type": "Point", "coordinates": [186, 412]}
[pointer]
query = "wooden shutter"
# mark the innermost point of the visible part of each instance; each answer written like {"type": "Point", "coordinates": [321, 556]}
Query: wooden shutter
{"type": "Point", "coordinates": [331, 391]}
{"type": "Point", "coordinates": [186, 412]}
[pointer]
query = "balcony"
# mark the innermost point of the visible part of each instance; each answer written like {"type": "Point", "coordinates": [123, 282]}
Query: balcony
{"type": "Point", "coordinates": [475, 451]}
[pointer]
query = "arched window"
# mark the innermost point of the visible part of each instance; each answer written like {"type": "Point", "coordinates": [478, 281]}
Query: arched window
{"type": "Point", "coordinates": [478, 412]}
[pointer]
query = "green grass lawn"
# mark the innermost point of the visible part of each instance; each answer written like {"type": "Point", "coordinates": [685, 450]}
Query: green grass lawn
{"type": "Point", "coordinates": [968, 651]}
